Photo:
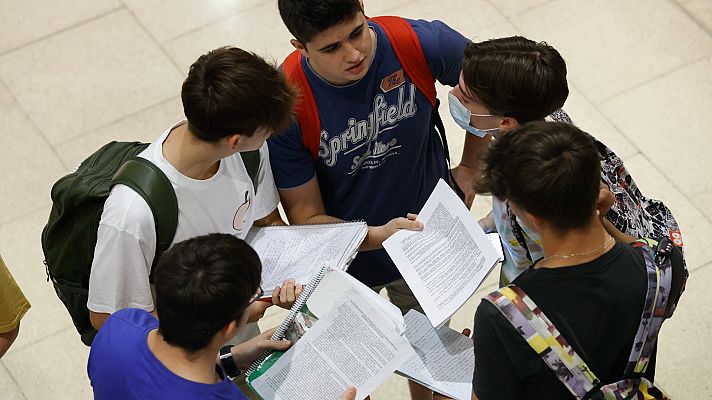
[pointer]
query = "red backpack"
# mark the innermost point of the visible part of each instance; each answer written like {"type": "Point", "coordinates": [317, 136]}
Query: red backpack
{"type": "Point", "coordinates": [407, 47]}
{"type": "Point", "coordinates": [410, 54]}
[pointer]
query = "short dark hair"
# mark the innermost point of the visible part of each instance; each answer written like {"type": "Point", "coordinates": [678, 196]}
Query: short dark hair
{"type": "Point", "coordinates": [549, 169]}
{"type": "Point", "coordinates": [516, 77]}
{"type": "Point", "coordinates": [202, 284]}
{"type": "Point", "coordinates": [305, 19]}
{"type": "Point", "coordinates": [229, 91]}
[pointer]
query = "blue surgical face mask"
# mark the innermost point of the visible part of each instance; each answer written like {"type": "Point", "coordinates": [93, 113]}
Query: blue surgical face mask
{"type": "Point", "coordinates": [462, 115]}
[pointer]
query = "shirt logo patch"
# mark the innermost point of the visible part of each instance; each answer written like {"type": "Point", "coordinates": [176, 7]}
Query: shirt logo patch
{"type": "Point", "coordinates": [392, 81]}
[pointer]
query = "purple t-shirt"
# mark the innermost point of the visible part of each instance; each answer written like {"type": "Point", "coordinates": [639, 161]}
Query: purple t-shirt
{"type": "Point", "coordinates": [121, 366]}
{"type": "Point", "coordinates": [379, 157]}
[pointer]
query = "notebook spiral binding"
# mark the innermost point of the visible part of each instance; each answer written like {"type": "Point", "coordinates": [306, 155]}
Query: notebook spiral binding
{"type": "Point", "coordinates": [282, 328]}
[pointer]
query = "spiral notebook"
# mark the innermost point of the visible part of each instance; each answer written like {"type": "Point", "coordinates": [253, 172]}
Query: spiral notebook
{"type": "Point", "coordinates": [297, 251]}
{"type": "Point", "coordinates": [281, 332]}
{"type": "Point", "coordinates": [334, 318]}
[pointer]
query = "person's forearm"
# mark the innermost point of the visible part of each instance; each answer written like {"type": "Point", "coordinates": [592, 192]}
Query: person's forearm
{"type": "Point", "coordinates": [373, 240]}
{"type": "Point", "coordinates": [97, 319]}
{"type": "Point", "coordinates": [273, 219]}
{"type": "Point", "coordinates": [6, 340]}
{"type": "Point", "coordinates": [473, 149]}
{"type": "Point", "coordinates": [320, 219]}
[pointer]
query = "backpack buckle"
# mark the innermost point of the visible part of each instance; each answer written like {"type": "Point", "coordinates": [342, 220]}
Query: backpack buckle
{"type": "Point", "coordinates": [665, 246]}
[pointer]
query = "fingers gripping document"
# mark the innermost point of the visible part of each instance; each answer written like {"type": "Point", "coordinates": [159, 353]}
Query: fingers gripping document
{"type": "Point", "coordinates": [445, 262]}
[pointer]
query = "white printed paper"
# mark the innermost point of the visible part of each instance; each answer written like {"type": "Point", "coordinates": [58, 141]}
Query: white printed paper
{"type": "Point", "coordinates": [444, 360]}
{"type": "Point", "coordinates": [296, 252]}
{"type": "Point", "coordinates": [355, 344]}
{"type": "Point", "coordinates": [335, 283]}
{"type": "Point", "coordinates": [497, 244]}
{"type": "Point", "coordinates": [445, 262]}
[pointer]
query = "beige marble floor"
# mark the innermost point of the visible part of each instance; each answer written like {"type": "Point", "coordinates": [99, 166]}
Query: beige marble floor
{"type": "Point", "coordinates": [77, 73]}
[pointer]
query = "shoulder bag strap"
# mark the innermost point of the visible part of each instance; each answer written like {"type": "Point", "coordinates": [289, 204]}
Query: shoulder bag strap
{"type": "Point", "coordinates": [407, 47]}
{"type": "Point", "coordinates": [251, 159]}
{"type": "Point", "coordinates": [410, 53]}
{"type": "Point", "coordinates": [543, 337]}
{"type": "Point", "coordinates": [146, 179]}
{"type": "Point", "coordinates": [659, 277]}
{"type": "Point", "coordinates": [305, 109]}
{"type": "Point", "coordinates": [517, 231]}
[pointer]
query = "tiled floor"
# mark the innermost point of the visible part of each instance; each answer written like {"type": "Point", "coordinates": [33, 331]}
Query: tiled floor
{"type": "Point", "coordinates": [77, 73]}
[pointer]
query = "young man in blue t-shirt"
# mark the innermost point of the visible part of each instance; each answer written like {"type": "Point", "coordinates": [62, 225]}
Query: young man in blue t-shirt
{"type": "Point", "coordinates": [379, 156]}
{"type": "Point", "coordinates": [204, 286]}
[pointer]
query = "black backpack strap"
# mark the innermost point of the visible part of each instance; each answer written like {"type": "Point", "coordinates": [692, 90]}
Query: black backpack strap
{"type": "Point", "coordinates": [437, 125]}
{"type": "Point", "coordinates": [251, 159]}
{"type": "Point", "coordinates": [146, 179]}
{"type": "Point", "coordinates": [517, 231]}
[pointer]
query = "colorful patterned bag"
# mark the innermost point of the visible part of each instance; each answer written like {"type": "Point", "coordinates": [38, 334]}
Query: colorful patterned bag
{"type": "Point", "coordinates": [632, 212]}
{"type": "Point", "coordinates": [536, 329]}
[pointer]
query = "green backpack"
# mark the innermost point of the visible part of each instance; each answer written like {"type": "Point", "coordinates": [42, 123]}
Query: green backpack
{"type": "Point", "coordinates": [69, 238]}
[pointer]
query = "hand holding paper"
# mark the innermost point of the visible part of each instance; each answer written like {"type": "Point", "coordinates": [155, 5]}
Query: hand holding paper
{"type": "Point", "coordinates": [446, 262]}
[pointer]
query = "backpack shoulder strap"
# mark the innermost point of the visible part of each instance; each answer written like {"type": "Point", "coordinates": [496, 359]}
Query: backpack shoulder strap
{"type": "Point", "coordinates": [659, 277]}
{"type": "Point", "coordinates": [410, 53]}
{"type": "Point", "coordinates": [305, 108]}
{"type": "Point", "coordinates": [517, 231]}
{"type": "Point", "coordinates": [146, 179]}
{"type": "Point", "coordinates": [543, 337]}
{"type": "Point", "coordinates": [407, 47]}
{"type": "Point", "coordinates": [251, 159]}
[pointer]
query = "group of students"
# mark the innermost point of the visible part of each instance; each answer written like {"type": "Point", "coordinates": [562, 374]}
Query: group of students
{"type": "Point", "coordinates": [348, 129]}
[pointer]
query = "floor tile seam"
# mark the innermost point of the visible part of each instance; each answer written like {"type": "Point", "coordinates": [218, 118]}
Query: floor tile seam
{"type": "Point", "coordinates": [641, 153]}
{"type": "Point", "coordinates": [112, 122]}
{"type": "Point", "coordinates": [24, 215]}
{"type": "Point", "coordinates": [61, 31]}
{"type": "Point", "coordinates": [676, 187]}
{"type": "Point", "coordinates": [48, 336]}
{"type": "Point", "coordinates": [605, 117]}
{"type": "Point", "coordinates": [661, 75]}
{"type": "Point", "coordinates": [636, 86]}
{"type": "Point", "coordinates": [701, 267]}
{"type": "Point", "coordinates": [685, 11]}
{"type": "Point", "coordinates": [522, 12]}
{"type": "Point", "coordinates": [17, 385]}
{"type": "Point", "coordinates": [153, 39]}
{"type": "Point", "coordinates": [213, 22]}
{"type": "Point", "coordinates": [31, 120]}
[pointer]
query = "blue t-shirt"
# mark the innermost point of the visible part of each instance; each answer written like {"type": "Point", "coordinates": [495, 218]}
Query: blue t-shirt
{"type": "Point", "coordinates": [121, 366]}
{"type": "Point", "coordinates": [379, 158]}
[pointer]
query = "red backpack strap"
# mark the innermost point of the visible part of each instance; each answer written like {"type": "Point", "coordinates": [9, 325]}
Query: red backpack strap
{"type": "Point", "coordinates": [410, 54]}
{"type": "Point", "coordinates": [307, 113]}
